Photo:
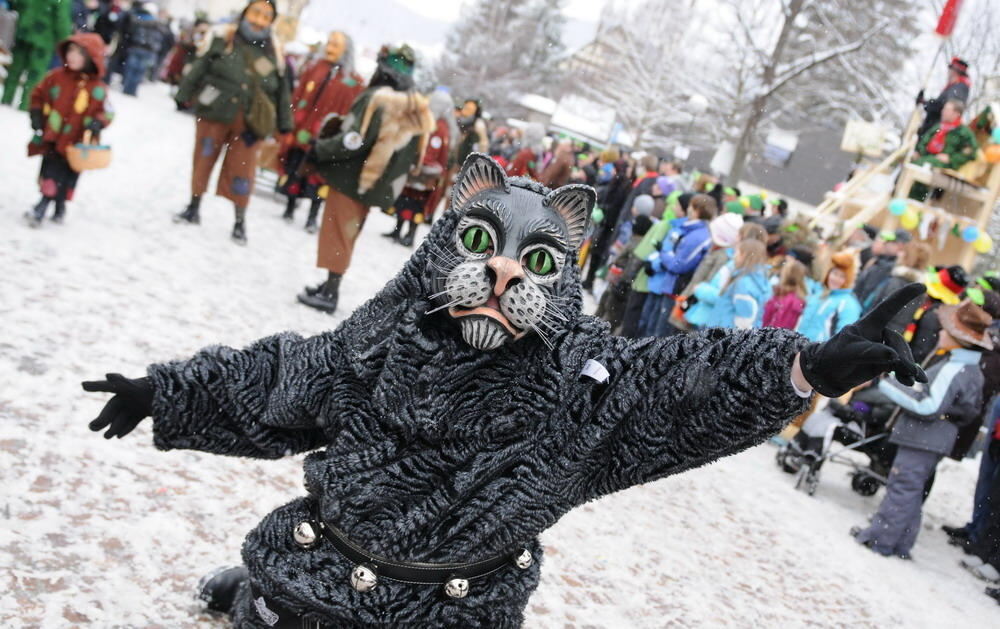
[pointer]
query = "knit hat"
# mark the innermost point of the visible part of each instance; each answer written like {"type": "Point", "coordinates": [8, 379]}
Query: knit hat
{"type": "Point", "coordinates": [843, 260]}
{"type": "Point", "coordinates": [273, 3]}
{"type": "Point", "coordinates": [946, 284]}
{"type": "Point", "coordinates": [725, 229]}
{"type": "Point", "coordinates": [641, 225]}
{"type": "Point", "coordinates": [803, 255]}
{"type": "Point", "coordinates": [643, 205]}
{"type": "Point", "coordinates": [967, 324]}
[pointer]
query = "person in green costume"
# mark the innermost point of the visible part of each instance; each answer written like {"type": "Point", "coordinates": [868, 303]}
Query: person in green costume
{"type": "Point", "coordinates": [948, 144]}
{"type": "Point", "coordinates": [41, 24]}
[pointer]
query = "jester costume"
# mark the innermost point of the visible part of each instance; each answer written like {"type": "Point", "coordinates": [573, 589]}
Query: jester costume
{"type": "Point", "coordinates": [461, 412]}
{"type": "Point", "coordinates": [65, 106]}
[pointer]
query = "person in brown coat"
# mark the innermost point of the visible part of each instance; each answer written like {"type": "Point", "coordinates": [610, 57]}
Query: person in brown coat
{"type": "Point", "coordinates": [240, 96]}
{"type": "Point", "coordinates": [557, 172]}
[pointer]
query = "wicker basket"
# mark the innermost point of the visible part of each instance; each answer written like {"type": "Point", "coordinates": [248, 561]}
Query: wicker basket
{"type": "Point", "coordinates": [88, 156]}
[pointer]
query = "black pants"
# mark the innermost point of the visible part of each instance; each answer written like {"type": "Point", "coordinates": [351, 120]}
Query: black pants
{"type": "Point", "coordinates": [57, 179]}
{"type": "Point", "coordinates": [598, 253]}
{"type": "Point", "coordinates": [633, 314]}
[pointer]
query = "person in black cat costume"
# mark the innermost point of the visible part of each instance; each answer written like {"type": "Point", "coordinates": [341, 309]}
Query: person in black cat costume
{"type": "Point", "coordinates": [463, 410]}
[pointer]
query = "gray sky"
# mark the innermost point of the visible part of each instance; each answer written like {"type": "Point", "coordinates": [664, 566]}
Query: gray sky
{"type": "Point", "coordinates": [447, 10]}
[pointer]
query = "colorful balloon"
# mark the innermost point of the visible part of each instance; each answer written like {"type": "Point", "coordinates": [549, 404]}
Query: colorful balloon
{"type": "Point", "coordinates": [744, 201]}
{"type": "Point", "coordinates": [909, 219]}
{"type": "Point", "coordinates": [995, 136]}
{"type": "Point", "coordinates": [992, 153]}
{"type": "Point", "coordinates": [970, 233]}
{"type": "Point", "coordinates": [897, 207]}
{"type": "Point", "coordinates": [983, 244]}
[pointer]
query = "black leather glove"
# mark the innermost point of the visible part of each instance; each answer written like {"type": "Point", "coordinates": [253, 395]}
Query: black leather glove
{"type": "Point", "coordinates": [133, 401]}
{"type": "Point", "coordinates": [37, 119]}
{"type": "Point", "coordinates": [647, 266]}
{"type": "Point", "coordinates": [864, 350]}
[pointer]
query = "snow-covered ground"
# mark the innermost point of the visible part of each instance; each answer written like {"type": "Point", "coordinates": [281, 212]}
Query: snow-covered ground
{"type": "Point", "coordinates": [116, 533]}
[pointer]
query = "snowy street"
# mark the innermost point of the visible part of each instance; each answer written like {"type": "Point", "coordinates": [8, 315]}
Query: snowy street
{"type": "Point", "coordinates": [117, 534]}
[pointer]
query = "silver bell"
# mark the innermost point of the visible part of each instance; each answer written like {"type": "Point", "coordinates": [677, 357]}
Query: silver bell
{"type": "Point", "coordinates": [304, 534]}
{"type": "Point", "coordinates": [364, 578]}
{"type": "Point", "coordinates": [523, 559]}
{"type": "Point", "coordinates": [456, 588]}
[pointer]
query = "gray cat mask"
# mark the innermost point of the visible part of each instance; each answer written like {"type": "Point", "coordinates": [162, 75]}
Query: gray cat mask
{"type": "Point", "coordinates": [503, 273]}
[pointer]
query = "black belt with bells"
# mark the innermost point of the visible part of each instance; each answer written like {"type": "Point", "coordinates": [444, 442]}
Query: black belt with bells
{"type": "Point", "coordinates": [368, 568]}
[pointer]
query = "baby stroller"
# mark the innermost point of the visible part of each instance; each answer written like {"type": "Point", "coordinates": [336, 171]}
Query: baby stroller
{"type": "Point", "coordinates": [833, 432]}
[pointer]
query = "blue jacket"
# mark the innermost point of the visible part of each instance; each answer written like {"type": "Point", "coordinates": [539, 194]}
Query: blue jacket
{"type": "Point", "coordinates": [825, 316]}
{"type": "Point", "coordinates": [741, 304]}
{"type": "Point", "coordinates": [680, 253]}
{"type": "Point", "coordinates": [932, 413]}
{"type": "Point", "coordinates": [707, 293]}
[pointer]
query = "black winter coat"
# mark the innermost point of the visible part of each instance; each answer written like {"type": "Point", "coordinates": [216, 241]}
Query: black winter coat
{"type": "Point", "coordinates": [424, 449]}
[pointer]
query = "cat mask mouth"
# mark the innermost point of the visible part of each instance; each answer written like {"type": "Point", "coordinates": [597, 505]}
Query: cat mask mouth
{"type": "Point", "coordinates": [485, 329]}
{"type": "Point", "coordinates": [490, 310]}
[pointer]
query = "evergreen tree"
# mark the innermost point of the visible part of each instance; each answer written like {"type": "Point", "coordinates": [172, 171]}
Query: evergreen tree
{"type": "Point", "coordinates": [501, 49]}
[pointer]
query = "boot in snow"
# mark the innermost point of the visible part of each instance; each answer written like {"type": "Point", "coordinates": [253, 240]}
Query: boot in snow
{"type": "Point", "coordinates": [407, 239]}
{"type": "Point", "coordinates": [394, 234]}
{"type": "Point", "coordinates": [191, 213]}
{"type": "Point", "coordinates": [311, 225]}
{"type": "Point", "coordinates": [289, 214]}
{"type": "Point", "coordinates": [60, 214]}
{"type": "Point", "coordinates": [324, 299]}
{"type": "Point", "coordinates": [37, 213]}
{"type": "Point", "coordinates": [218, 588]}
{"type": "Point", "coordinates": [239, 234]}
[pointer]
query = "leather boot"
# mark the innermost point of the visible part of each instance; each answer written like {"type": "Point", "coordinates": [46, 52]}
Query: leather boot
{"type": "Point", "coordinates": [407, 239]}
{"type": "Point", "coordinates": [394, 234]}
{"type": "Point", "coordinates": [324, 299]}
{"type": "Point", "coordinates": [60, 214]}
{"type": "Point", "coordinates": [289, 214]}
{"type": "Point", "coordinates": [218, 588]}
{"type": "Point", "coordinates": [191, 213]}
{"type": "Point", "coordinates": [239, 234]}
{"type": "Point", "coordinates": [36, 214]}
{"type": "Point", "coordinates": [311, 226]}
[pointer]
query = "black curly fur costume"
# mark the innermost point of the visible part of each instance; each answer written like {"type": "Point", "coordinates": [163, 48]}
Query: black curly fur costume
{"type": "Point", "coordinates": [425, 449]}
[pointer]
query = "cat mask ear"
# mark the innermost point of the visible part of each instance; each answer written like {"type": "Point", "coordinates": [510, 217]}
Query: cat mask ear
{"type": "Point", "coordinates": [479, 172]}
{"type": "Point", "coordinates": [574, 203]}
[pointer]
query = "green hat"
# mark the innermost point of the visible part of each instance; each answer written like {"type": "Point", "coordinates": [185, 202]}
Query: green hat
{"type": "Point", "coordinates": [735, 207]}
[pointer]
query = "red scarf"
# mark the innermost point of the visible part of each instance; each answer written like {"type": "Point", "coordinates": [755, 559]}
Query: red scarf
{"type": "Point", "coordinates": [961, 79]}
{"type": "Point", "coordinates": [635, 184]}
{"type": "Point", "coordinates": [936, 143]}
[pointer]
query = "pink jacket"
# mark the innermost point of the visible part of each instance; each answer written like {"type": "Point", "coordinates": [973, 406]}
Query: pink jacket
{"type": "Point", "coordinates": [784, 311]}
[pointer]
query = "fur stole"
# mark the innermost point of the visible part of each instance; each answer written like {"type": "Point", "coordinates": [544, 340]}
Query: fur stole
{"type": "Point", "coordinates": [404, 115]}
